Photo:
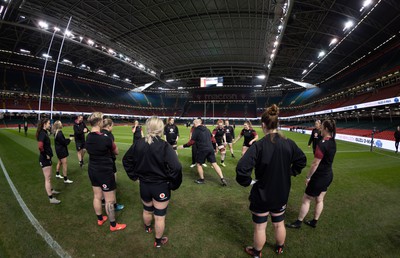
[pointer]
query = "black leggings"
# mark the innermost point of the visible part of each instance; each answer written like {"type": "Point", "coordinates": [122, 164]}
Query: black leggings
{"type": "Point", "coordinates": [396, 144]}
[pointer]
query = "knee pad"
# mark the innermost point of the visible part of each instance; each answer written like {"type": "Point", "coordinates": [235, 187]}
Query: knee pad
{"type": "Point", "coordinates": [161, 212]}
{"type": "Point", "coordinates": [259, 219]}
{"type": "Point", "coordinates": [148, 208]}
{"type": "Point", "coordinates": [279, 218]}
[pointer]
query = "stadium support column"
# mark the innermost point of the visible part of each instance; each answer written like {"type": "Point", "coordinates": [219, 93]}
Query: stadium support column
{"type": "Point", "coordinates": [55, 72]}
{"type": "Point", "coordinates": [205, 111]}
{"type": "Point", "coordinates": [44, 72]}
{"type": "Point", "coordinates": [213, 113]}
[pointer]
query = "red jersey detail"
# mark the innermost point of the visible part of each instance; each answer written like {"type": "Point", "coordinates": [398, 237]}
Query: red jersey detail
{"type": "Point", "coordinates": [318, 153]}
{"type": "Point", "coordinates": [114, 146]}
{"type": "Point", "coordinates": [40, 146]}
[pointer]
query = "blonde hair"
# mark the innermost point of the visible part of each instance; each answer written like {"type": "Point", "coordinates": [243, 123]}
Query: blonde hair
{"type": "Point", "coordinates": [107, 122]}
{"type": "Point", "coordinates": [154, 127]}
{"type": "Point", "coordinates": [95, 118]}
{"type": "Point", "coordinates": [57, 126]}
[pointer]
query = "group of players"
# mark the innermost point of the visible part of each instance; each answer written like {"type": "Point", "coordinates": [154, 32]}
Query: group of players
{"type": "Point", "coordinates": [154, 162]}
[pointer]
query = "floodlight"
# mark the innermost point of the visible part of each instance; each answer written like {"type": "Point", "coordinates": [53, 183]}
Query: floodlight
{"type": "Point", "coordinates": [25, 51]}
{"type": "Point", "coordinates": [333, 41]}
{"type": "Point", "coordinates": [170, 80]}
{"type": "Point", "coordinates": [365, 4]}
{"type": "Point", "coordinates": [57, 29]}
{"type": "Point", "coordinates": [304, 71]}
{"type": "Point", "coordinates": [43, 25]}
{"type": "Point", "coordinates": [46, 56]}
{"type": "Point", "coordinates": [348, 25]}
{"type": "Point", "coordinates": [90, 42]}
{"type": "Point", "coordinates": [321, 54]}
{"type": "Point", "coordinates": [261, 76]}
{"type": "Point", "coordinates": [311, 64]}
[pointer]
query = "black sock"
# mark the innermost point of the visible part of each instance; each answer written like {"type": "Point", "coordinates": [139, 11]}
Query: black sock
{"type": "Point", "coordinates": [298, 222]}
{"type": "Point", "coordinates": [113, 223]}
{"type": "Point", "coordinates": [222, 161]}
{"type": "Point", "coordinates": [50, 196]}
{"type": "Point", "coordinates": [158, 240]}
{"type": "Point", "coordinates": [314, 222]}
{"type": "Point", "coordinates": [57, 173]}
{"type": "Point", "coordinates": [99, 217]}
{"type": "Point", "coordinates": [256, 252]}
{"type": "Point", "coordinates": [65, 178]}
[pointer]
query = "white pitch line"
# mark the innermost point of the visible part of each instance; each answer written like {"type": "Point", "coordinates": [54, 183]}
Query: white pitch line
{"type": "Point", "coordinates": [40, 230]}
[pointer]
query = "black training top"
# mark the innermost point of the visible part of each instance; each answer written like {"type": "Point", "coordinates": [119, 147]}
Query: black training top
{"type": "Point", "coordinates": [315, 138]}
{"type": "Point", "coordinates": [137, 134]}
{"type": "Point", "coordinates": [109, 134]}
{"type": "Point", "coordinates": [153, 163]}
{"type": "Point", "coordinates": [229, 131]}
{"type": "Point", "coordinates": [78, 131]}
{"type": "Point", "coordinates": [274, 162]}
{"type": "Point", "coordinates": [248, 135]}
{"type": "Point", "coordinates": [171, 132]}
{"type": "Point", "coordinates": [44, 144]}
{"type": "Point", "coordinates": [60, 142]}
{"type": "Point", "coordinates": [202, 137]}
{"type": "Point", "coordinates": [325, 151]}
{"type": "Point", "coordinates": [397, 136]}
{"type": "Point", "coordinates": [219, 134]}
{"type": "Point", "coordinates": [100, 146]}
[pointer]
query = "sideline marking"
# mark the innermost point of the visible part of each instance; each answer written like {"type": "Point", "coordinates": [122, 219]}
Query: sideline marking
{"type": "Point", "coordinates": [40, 230]}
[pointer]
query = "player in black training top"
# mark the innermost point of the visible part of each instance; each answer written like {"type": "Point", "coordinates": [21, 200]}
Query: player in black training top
{"type": "Point", "coordinates": [205, 150]}
{"type": "Point", "coordinates": [45, 157]}
{"type": "Point", "coordinates": [107, 130]}
{"type": "Point", "coordinates": [80, 130]}
{"type": "Point", "coordinates": [320, 175]}
{"type": "Point", "coordinates": [230, 135]}
{"type": "Point", "coordinates": [155, 164]}
{"type": "Point", "coordinates": [315, 136]}
{"type": "Point", "coordinates": [249, 134]}
{"type": "Point", "coordinates": [137, 131]}
{"type": "Point", "coordinates": [171, 133]}
{"type": "Point", "coordinates": [397, 139]}
{"type": "Point", "coordinates": [220, 140]}
{"type": "Point", "coordinates": [275, 159]}
{"type": "Point", "coordinates": [61, 145]}
{"type": "Point", "coordinates": [101, 171]}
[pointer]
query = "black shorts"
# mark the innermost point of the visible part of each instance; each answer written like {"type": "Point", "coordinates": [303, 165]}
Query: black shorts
{"type": "Point", "coordinates": [260, 208]}
{"type": "Point", "coordinates": [62, 153]}
{"type": "Point", "coordinates": [157, 191]}
{"type": "Point", "coordinates": [229, 139]}
{"type": "Point", "coordinates": [202, 156]}
{"type": "Point", "coordinates": [172, 143]}
{"type": "Point", "coordinates": [318, 185]}
{"type": "Point", "coordinates": [246, 144]}
{"type": "Point", "coordinates": [104, 180]}
{"type": "Point", "coordinates": [80, 145]}
{"type": "Point", "coordinates": [44, 162]}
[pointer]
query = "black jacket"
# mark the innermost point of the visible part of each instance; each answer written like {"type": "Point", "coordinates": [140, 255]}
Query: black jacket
{"type": "Point", "coordinates": [397, 136]}
{"type": "Point", "coordinates": [315, 137]}
{"type": "Point", "coordinates": [153, 163]}
{"type": "Point", "coordinates": [78, 131]}
{"type": "Point", "coordinates": [201, 136]}
{"type": "Point", "coordinates": [274, 162]}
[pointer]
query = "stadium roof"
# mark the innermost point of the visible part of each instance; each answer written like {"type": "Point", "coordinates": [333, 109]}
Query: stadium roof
{"type": "Point", "coordinates": [137, 42]}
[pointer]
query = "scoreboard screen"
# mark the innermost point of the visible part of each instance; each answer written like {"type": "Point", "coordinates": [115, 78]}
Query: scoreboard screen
{"type": "Point", "coordinates": [207, 82]}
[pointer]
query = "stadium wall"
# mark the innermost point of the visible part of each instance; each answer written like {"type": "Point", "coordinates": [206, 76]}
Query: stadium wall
{"type": "Point", "coordinates": [378, 143]}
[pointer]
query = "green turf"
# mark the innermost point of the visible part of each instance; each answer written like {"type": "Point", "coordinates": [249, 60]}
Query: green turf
{"type": "Point", "coordinates": [360, 218]}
